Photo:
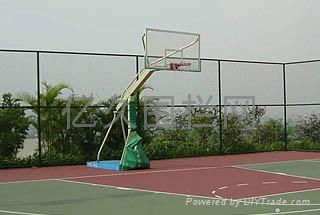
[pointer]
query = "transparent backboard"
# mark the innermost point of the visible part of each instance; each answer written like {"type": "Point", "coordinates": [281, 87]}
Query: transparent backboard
{"type": "Point", "coordinates": [172, 50]}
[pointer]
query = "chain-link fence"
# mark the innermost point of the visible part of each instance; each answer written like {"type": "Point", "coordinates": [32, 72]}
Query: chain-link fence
{"type": "Point", "coordinates": [55, 107]}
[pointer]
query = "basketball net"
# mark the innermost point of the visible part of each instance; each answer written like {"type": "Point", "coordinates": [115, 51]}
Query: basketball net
{"type": "Point", "coordinates": [176, 66]}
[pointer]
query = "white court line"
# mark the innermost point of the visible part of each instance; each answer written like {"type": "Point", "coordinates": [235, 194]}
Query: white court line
{"type": "Point", "coordinates": [26, 181]}
{"type": "Point", "coordinates": [272, 162]}
{"type": "Point", "coordinates": [276, 173]}
{"type": "Point", "coordinates": [269, 182]}
{"type": "Point", "coordinates": [299, 182]}
{"type": "Point", "coordinates": [133, 189]}
{"type": "Point", "coordinates": [21, 213]}
{"type": "Point", "coordinates": [240, 185]}
{"type": "Point", "coordinates": [289, 212]}
{"type": "Point", "coordinates": [284, 193]}
{"type": "Point", "coordinates": [147, 172]}
{"type": "Point", "coordinates": [123, 188]}
{"type": "Point", "coordinates": [119, 174]}
{"type": "Point", "coordinates": [242, 200]}
{"type": "Point", "coordinates": [167, 170]}
{"type": "Point", "coordinates": [315, 161]}
{"type": "Point", "coordinates": [281, 173]}
{"type": "Point", "coordinates": [221, 188]}
{"type": "Point", "coordinates": [154, 171]}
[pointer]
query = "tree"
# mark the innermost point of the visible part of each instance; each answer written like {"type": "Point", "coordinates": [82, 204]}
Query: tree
{"type": "Point", "coordinates": [233, 139]}
{"type": "Point", "coordinates": [13, 127]}
{"type": "Point", "coordinates": [80, 143]}
{"type": "Point", "coordinates": [308, 128]}
{"type": "Point", "coordinates": [53, 123]}
{"type": "Point", "coordinates": [270, 131]}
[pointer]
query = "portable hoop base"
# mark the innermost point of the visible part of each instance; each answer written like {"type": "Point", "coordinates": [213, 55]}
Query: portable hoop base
{"type": "Point", "coordinates": [107, 165]}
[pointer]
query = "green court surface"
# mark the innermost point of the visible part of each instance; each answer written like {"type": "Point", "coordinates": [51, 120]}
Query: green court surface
{"type": "Point", "coordinates": [64, 197]}
{"type": "Point", "coordinates": [301, 168]}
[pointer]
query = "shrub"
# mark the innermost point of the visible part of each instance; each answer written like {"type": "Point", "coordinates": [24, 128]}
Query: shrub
{"type": "Point", "coordinates": [13, 127]}
{"type": "Point", "coordinates": [308, 128]}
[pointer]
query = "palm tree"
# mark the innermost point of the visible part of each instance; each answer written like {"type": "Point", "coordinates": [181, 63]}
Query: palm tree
{"type": "Point", "coordinates": [51, 116]}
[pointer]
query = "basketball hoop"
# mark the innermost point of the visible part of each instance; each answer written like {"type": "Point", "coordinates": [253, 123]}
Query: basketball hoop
{"type": "Point", "coordinates": [171, 50]}
{"type": "Point", "coordinates": [175, 66]}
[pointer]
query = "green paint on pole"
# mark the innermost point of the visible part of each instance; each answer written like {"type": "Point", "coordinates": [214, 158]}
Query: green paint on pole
{"type": "Point", "coordinates": [134, 156]}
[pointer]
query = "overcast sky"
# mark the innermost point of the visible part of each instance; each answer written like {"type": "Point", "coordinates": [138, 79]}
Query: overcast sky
{"type": "Point", "coordinates": [266, 30]}
{"type": "Point", "coordinates": [277, 30]}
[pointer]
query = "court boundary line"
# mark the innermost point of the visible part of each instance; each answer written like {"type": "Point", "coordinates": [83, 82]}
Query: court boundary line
{"type": "Point", "coordinates": [186, 169]}
{"type": "Point", "coordinates": [26, 181]}
{"type": "Point", "coordinates": [289, 212]}
{"type": "Point", "coordinates": [277, 173]}
{"type": "Point", "coordinates": [284, 193]}
{"type": "Point", "coordinates": [313, 160]}
{"type": "Point", "coordinates": [148, 172]}
{"type": "Point", "coordinates": [133, 189]}
{"type": "Point", "coordinates": [174, 194]}
{"type": "Point", "coordinates": [162, 171]}
{"type": "Point", "coordinates": [242, 200]}
{"type": "Point", "coordinates": [20, 212]}
{"type": "Point", "coordinates": [118, 174]}
{"type": "Point", "coordinates": [285, 161]}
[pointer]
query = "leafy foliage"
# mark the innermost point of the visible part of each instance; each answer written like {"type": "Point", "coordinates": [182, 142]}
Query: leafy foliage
{"type": "Point", "coordinates": [308, 128]}
{"type": "Point", "coordinates": [13, 127]}
{"type": "Point", "coordinates": [194, 132]}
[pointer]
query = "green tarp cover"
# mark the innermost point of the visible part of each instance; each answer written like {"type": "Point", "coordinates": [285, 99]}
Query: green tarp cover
{"type": "Point", "coordinates": [134, 156]}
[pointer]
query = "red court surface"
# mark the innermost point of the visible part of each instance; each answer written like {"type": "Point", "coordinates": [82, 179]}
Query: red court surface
{"type": "Point", "coordinates": [237, 183]}
{"type": "Point", "coordinates": [190, 176]}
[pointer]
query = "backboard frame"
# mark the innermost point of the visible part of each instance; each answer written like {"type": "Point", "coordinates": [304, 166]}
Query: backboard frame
{"type": "Point", "coordinates": [164, 57]}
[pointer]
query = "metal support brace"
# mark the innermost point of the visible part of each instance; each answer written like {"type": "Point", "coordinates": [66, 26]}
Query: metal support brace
{"type": "Point", "coordinates": [123, 130]}
{"type": "Point", "coordinates": [105, 138]}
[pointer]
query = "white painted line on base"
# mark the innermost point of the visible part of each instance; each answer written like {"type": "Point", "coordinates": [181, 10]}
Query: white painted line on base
{"type": "Point", "coordinates": [219, 197]}
{"type": "Point", "coordinates": [19, 212]}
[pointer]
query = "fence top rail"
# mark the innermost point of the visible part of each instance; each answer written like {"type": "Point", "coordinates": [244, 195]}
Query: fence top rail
{"type": "Point", "coordinates": [301, 62]}
{"type": "Point", "coordinates": [124, 55]}
{"type": "Point", "coordinates": [140, 55]}
{"type": "Point", "coordinates": [241, 61]}
{"type": "Point", "coordinates": [69, 52]}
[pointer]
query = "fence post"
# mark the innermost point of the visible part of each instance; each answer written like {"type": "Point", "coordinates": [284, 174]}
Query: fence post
{"type": "Point", "coordinates": [138, 95]}
{"type": "Point", "coordinates": [39, 110]}
{"type": "Point", "coordinates": [285, 107]}
{"type": "Point", "coordinates": [220, 108]}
